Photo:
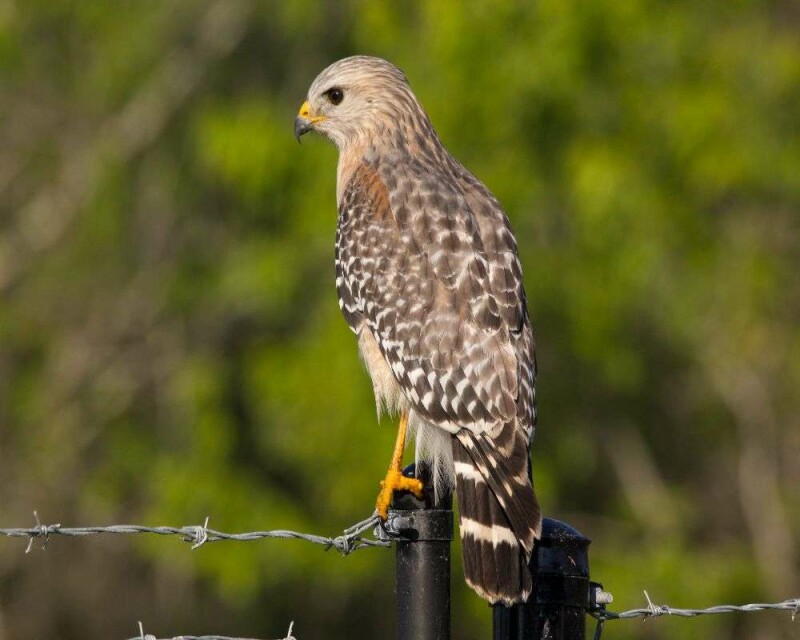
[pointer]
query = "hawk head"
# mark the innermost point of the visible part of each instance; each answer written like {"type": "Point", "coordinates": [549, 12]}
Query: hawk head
{"type": "Point", "coordinates": [353, 97]}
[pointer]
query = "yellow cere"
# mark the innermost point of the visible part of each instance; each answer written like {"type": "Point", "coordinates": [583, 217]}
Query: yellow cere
{"type": "Point", "coordinates": [305, 112]}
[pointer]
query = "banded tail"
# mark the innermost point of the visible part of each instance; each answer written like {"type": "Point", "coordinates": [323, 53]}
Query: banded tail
{"type": "Point", "coordinates": [499, 516]}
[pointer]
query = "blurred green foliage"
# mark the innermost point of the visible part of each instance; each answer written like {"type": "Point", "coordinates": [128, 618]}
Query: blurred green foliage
{"type": "Point", "coordinates": [171, 346]}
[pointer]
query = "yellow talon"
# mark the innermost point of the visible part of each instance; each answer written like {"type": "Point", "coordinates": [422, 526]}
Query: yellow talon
{"type": "Point", "coordinates": [395, 480]}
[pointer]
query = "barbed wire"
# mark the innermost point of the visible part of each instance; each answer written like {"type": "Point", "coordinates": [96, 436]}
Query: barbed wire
{"type": "Point", "coordinates": [351, 539]}
{"type": "Point", "coordinates": [147, 636]}
{"type": "Point", "coordinates": [656, 610]}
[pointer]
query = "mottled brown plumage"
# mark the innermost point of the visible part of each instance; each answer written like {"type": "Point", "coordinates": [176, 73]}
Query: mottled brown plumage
{"type": "Point", "coordinates": [428, 277]}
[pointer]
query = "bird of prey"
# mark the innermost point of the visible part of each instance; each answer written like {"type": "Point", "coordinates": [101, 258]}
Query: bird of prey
{"type": "Point", "coordinates": [429, 279]}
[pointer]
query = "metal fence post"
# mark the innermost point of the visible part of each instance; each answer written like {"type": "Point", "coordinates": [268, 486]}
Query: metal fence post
{"type": "Point", "coordinates": [422, 531]}
{"type": "Point", "coordinates": [556, 610]}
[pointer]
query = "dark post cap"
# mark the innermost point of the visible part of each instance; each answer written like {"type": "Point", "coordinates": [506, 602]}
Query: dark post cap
{"type": "Point", "coordinates": [561, 550]}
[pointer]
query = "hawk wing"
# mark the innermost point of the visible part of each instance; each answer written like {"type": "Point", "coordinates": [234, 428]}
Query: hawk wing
{"type": "Point", "coordinates": [412, 264]}
{"type": "Point", "coordinates": [427, 263]}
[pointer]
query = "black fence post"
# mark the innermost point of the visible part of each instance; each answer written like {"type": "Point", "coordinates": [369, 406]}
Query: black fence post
{"type": "Point", "coordinates": [556, 610]}
{"type": "Point", "coordinates": [422, 531]}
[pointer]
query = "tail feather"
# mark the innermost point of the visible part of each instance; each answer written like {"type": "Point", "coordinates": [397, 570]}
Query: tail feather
{"type": "Point", "coordinates": [466, 490]}
{"type": "Point", "coordinates": [499, 515]}
{"type": "Point", "coordinates": [484, 513]}
{"type": "Point", "coordinates": [503, 462]}
{"type": "Point", "coordinates": [509, 563]}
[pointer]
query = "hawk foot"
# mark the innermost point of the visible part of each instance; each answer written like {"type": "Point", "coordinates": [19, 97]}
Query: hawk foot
{"type": "Point", "coordinates": [395, 481]}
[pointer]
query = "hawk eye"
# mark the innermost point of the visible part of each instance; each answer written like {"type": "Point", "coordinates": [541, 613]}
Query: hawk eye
{"type": "Point", "coordinates": [335, 95]}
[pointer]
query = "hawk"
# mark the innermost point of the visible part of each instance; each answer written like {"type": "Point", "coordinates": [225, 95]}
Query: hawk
{"type": "Point", "coordinates": [429, 279]}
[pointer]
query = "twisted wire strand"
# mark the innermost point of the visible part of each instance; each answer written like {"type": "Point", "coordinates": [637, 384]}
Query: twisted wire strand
{"type": "Point", "coordinates": [146, 636]}
{"type": "Point", "coordinates": [655, 610]}
{"type": "Point", "coordinates": [351, 539]}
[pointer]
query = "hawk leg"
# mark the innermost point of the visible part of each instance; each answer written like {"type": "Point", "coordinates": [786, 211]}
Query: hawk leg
{"type": "Point", "coordinates": [395, 480]}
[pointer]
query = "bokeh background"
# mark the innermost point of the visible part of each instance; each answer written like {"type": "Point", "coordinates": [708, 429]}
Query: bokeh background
{"type": "Point", "coordinates": [171, 346]}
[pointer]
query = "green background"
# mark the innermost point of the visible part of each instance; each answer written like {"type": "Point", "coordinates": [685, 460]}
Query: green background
{"type": "Point", "coordinates": [171, 346]}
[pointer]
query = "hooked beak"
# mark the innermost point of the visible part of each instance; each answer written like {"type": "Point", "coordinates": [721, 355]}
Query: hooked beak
{"type": "Point", "coordinates": [304, 122]}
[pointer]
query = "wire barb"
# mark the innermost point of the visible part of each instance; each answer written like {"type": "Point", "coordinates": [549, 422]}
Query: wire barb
{"type": "Point", "coordinates": [42, 531]}
{"type": "Point", "coordinates": [654, 610]}
{"type": "Point", "coordinates": [201, 535]}
{"type": "Point", "coordinates": [142, 636]}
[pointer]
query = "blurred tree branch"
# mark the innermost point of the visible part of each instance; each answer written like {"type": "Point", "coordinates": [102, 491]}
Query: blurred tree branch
{"type": "Point", "coordinates": [44, 220]}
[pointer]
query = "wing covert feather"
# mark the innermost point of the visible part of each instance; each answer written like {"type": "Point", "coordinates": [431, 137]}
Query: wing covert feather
{"type": "Point", "coordinates": [412, 263]}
